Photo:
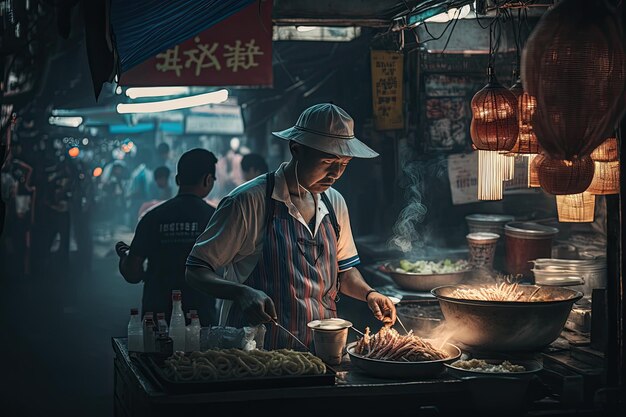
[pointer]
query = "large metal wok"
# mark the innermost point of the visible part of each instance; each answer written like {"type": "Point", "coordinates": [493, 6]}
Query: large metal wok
{"type": "Point", "coordinates": [394, 369]}
{"type": "Point", "coordinates": [507, 325]}
{"type": "Point", "coordinates": [422, 282]}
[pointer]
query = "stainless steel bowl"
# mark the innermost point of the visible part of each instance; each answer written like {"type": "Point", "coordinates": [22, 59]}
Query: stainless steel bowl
{"type": "Point", "coordinates": [507, 325]}
{"type": "Point", "coordinates": [423, 282]}
{"type": "Point", "coordinates": [394, 369]}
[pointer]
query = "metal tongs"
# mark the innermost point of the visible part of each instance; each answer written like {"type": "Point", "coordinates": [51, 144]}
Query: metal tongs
{"type": "Point", "coordinates": [290, 334]}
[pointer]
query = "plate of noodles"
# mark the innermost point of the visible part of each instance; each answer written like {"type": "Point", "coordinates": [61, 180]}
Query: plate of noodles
{"type": "Point", "coordinates": [389, 354]}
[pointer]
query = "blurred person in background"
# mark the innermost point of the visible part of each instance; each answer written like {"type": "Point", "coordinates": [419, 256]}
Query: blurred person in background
{"type": "Point", "coordinates": [159, 190]}
{"type": "Point", "coordinates": [165, 236]}
{"type": "Point", "coordinates": [253, 165]}
{"type": "Point", "coordinates": [160, 187]}
{"type": "Point", "coordinates": [59, 177]}
{"type": "Point", "coordinates": [114, 200]}
{"type": "Point", "coordinates": [19, 194]}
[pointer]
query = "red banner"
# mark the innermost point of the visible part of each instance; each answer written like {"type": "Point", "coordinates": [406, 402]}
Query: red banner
{"type": "Point", "coordinates": [236, 51]}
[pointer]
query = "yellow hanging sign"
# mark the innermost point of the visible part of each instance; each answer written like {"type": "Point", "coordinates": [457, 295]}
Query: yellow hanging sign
{"type": "Point", "coordinates": [387, 89]}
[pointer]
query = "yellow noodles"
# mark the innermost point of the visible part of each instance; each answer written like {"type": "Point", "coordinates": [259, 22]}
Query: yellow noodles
{"type": "Point", "coordinates": [236, 363]}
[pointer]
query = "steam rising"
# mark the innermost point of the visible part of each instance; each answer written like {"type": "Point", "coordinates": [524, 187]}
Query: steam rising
{"type": "Point", "coordinates": [410, 234]}
{"type": "Point", "coordinates": [406, 232]}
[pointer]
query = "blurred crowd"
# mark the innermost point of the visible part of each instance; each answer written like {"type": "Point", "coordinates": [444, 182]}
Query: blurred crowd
{"type": "Point", "coordinates": [59, 204]}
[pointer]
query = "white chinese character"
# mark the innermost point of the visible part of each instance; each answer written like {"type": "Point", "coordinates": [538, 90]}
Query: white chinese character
{"type": "Point", "coordinates": [202, 56]}
{"type": "Point", "coordinates": [170, 61]}
{"type": "Point", "coordinates": [242, 57]}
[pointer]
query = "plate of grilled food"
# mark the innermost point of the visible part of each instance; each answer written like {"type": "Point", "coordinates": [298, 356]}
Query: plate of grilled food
{"type": "Point", "coordinates": [389, 354]}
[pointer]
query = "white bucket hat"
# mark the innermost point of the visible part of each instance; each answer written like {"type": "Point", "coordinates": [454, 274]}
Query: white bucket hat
{"type": "Point", "coordinates": [327, 128]}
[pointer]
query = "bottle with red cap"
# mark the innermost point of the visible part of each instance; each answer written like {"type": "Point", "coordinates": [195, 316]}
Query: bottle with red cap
{"type": "Point", "coordinates": [135, 332]}
{"type": "Point", "coordinates": [192, 342]}
{"type": "Point", "coordinates": [177, 330]}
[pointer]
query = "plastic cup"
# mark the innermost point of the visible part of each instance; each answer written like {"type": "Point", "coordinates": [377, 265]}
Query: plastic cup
{"type": "Point", "coordinates": [329, 339]}
{"type": "Point", "coordinates": [482, 248]}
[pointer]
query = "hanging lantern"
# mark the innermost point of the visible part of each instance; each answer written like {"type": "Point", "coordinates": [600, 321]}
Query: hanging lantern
{"type": "Point", "coordinates": [494, 124]}
{"type": "Point", "coordinates": [508, 169]}
{"type": "Point", "coordinates": [533, 170]}
{"type": "Point", "coordinates": [606, 152]}
{"type": "Point", "coordinates": [490, 175]}
{"type": "Point", "coordinates": [576, 208]}
{"type": "Point", "coordinates": [562, 177]}
{"type": "Point", "coordinates": [574, 66]}
{"type": "Point", "coordinates": [526, 105]}
{"type": "Point", "coordinates": [605, 178]}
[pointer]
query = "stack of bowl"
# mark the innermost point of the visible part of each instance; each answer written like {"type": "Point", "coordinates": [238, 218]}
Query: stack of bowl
{"type": "Point", "coordinates": [580, 274]}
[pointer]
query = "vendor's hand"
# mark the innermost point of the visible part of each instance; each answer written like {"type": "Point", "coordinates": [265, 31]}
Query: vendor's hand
{"type": "Point", "coordinates": [121, 249]}
{"type": "Point", "coordinates": [382, 307]}
{"type": "Point", "coordinates": [257, 307]}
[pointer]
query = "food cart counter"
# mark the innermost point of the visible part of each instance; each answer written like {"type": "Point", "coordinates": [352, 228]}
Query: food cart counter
{"type": "Point", "coordinates": [137, 392]}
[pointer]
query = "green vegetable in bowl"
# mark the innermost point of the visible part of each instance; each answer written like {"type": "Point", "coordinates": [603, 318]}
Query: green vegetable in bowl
{"type": "Point", "coordinates": [429, 267]}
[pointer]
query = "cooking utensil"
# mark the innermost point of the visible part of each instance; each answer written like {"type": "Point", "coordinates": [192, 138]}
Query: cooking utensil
{"type": "Point", "coordinates": [401, 324]}
{"type": "Point", "coordinates": [507, 325]}
{"type": "Point", "coordinates": [291, 334]}
{"type": "Point", "coordinates": [358, 331]}
{"type": "Point", "coordinates": [394, 369]}
{"type": "Point", "coordinates": [422, 282]}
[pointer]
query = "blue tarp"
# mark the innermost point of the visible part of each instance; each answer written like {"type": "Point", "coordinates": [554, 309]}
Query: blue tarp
{"type": "Point", "coordinates": [143, 28]}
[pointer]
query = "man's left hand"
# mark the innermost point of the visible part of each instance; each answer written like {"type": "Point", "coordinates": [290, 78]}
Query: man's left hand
{"type": "Point", "coordinates": [382, 307]}
{"type": "Point", "coordinates": [121, 249]}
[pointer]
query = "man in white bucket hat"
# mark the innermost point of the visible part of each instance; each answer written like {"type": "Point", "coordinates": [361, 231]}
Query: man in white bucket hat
{"type": "Point", "coordinates": [284, 239]}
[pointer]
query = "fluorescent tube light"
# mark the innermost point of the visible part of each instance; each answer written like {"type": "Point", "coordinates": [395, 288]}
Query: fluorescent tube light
{"type": "Point", "coordinates": [138, 92]}
{"type": "Point", "coordinates": [214, 97]}
{"type": "Point", "coordinates": [65, 121]}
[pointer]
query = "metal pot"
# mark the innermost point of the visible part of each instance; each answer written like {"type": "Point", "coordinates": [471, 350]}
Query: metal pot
{"type": "Point", "coordinates": [395, 369]}
{"type": "Point", "coordinates": [507, 325]}
{"type": "Point", "coordinates": [490, 223]}
{"type": "Point", "coordinates": [422, 282]}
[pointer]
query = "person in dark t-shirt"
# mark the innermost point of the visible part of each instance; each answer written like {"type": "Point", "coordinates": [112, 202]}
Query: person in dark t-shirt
{"type": "Point", "coordinates": [165, 236]}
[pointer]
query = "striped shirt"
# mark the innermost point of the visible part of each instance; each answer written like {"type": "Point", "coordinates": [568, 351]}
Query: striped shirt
{"type": "Point", "coordinates": [233, 239]}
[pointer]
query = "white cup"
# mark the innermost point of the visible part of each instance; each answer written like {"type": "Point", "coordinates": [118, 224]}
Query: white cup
{"type": "Point", "coordinates": [329, 338]}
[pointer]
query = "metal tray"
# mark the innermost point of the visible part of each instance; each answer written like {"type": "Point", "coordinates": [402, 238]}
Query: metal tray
{"type": "Point", "coordinates": [153, 364]}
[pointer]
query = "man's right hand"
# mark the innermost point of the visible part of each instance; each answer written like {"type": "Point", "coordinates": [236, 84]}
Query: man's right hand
{"type": "Point", "coordinates": [257, 307]}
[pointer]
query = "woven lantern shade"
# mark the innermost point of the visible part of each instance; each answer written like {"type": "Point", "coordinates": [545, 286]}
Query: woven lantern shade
{"type": "Point", "coordinates": [494, 124]}
{"type": "Point", "coordinates": [490, 175]}
{"type": "Point", "coordinates": [605, 178]}
{"type": "Point", "coordinates": [606, 152]}
{"type": "Point", "coordinates": [526, 105]}
{"type": "Point", "coordinates": [561, 177]}
{"type": "Point", "coordinates": [508, 169]}
{"type": "Point", "coordinates": [576, 208]}
{"type": "Point", "coordinates": [574, 65]}
{"type": "Point", "coordinates": [533, 170]}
